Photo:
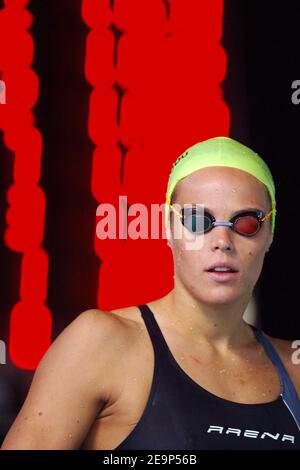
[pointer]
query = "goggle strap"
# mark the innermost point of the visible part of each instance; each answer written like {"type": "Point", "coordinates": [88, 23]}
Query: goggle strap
{"type": "Point", "coordinates": [176, 211]}
{"type": "Point", "coordinates": [267, 215]}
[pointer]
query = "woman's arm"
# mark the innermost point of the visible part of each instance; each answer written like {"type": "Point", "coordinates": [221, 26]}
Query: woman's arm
{"type": "Point", "coordinates": [70, 386]}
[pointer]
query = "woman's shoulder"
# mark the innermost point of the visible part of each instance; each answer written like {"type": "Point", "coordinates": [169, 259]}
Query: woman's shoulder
{"type": "Point", "coordinates": [94, 324]}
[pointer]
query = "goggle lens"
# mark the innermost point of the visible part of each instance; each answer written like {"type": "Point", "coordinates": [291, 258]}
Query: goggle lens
{"type": "Point", "coordinates": [247, 225]}
{"type": "Point", "coordinates": [197, 223]}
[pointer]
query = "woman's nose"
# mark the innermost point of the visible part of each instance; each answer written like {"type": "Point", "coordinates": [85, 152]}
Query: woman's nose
{"type": "Point", "coordinates": [221, 238]}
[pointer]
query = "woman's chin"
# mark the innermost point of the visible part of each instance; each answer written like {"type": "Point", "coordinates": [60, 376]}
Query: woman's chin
{"type": "Point", "coordinates": [222, 298]}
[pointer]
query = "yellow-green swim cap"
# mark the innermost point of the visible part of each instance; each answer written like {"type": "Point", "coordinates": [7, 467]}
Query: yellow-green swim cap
{"type": "Point", "coordinates": [220, 151]}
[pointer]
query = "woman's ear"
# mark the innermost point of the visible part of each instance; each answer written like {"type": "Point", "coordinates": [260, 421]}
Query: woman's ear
{"type": "Point", "coordinates": [169, 237]}
{"type": "Point", "coordinates": [269, 244]}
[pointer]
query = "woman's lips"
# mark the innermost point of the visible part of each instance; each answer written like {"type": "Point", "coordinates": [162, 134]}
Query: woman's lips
{"type": "Point", "coordinates": [222, 276]}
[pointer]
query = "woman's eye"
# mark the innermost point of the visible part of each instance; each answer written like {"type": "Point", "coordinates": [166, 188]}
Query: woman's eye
{"type": "Point", "coordinates": [197, 223]}
{"type": "Point", "coordinates": [247, 224]}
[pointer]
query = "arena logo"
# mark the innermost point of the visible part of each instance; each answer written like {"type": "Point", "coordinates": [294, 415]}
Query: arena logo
{"type": "Point", "coordinates": [2, 92]}
{"type": "Point", "coordinates": [2, 353]}
{"type": "Point", "coordinates": [185, 154]}
{"type": "Point", "coordinates": [251, 433]}
{"type": "Point", "coordinates": [138, 226]}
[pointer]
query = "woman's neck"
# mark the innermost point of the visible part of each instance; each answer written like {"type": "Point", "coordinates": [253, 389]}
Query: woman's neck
{"type": "Point", "coordinates": [221, 324]}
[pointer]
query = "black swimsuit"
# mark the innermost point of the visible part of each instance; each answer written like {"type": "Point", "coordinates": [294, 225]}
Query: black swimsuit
{"type": "Point", "coordinates": [180, 414]}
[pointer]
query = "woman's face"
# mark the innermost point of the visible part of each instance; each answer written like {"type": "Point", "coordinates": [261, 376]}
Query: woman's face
{"type": "Point", "coordinates": [223, 191]}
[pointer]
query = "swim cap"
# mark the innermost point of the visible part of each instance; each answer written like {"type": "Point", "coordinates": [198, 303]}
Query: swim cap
{"type": "Point", "coordinates": [220, 151]}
